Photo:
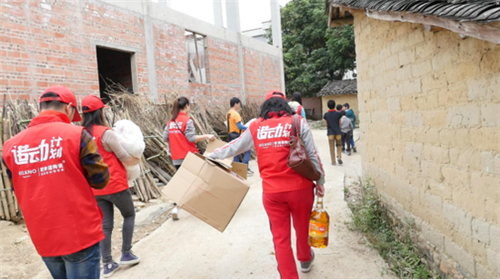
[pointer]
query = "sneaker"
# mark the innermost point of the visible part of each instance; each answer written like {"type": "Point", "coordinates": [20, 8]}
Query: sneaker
{"type": "Point", "coordinates": [128, 258]}
{"type": "Point", "coordinates": [110, 268]}
{"type": "Point", "coordinates": [175, 213]}
{"type": "Point", "coordinates": [334, 163]}
{"type": "Point", "coordinates": [349, 153]}
{"type": "Point", "coordinates": [249, 172]}
{"type": "Point", "coordinates": [354, 149]}
{"type": "Point", "coordinates": [339, 160]}
{"type": "Point", "coordinates": [306, 266]}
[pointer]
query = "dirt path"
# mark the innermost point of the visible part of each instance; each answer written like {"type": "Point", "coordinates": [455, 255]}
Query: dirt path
{"type": "Point", "coordinates": [19, 259]}
{"type": "Point", "coordinates": [189, 248]}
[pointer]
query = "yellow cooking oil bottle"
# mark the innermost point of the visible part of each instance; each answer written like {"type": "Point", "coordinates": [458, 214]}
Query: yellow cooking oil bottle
{"type": "Point", "coordinates": [318, 226]}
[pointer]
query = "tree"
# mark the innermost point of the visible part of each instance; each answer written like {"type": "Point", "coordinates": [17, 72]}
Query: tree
{"type": "Point", "coordinates": [313, 54]}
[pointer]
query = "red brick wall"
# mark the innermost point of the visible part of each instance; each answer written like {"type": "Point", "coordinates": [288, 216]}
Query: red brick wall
{"type": "Point", "coordinates": [50, 43]}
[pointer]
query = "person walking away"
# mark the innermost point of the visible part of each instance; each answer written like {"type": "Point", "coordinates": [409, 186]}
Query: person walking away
{"type": "Point", "coordinates": [296, 104]}
{"type": "Point", "coordinates": [346, 129]}
{"type": "Point", "coordinates": [180, 133]}
{"type": "Point", "coordinates": [235, 128]}
{"type": "Point", "coordinates": [332, 122]}
{"type": "Point", "coordinates": [53, 166]}
{"type": "Point", "coordinates": [287, 195]}
{"type": "Point", "coordinates": [117, 193]}
{"type": "Point", "coordinates": [350, 114]}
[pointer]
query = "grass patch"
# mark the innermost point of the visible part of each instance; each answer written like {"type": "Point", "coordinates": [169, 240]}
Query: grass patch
{"type": "Point", "coordinates": [370, 217]}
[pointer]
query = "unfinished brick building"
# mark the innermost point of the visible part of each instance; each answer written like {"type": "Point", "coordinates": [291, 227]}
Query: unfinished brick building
{"type": "Point", "coordinates": [146, 47]}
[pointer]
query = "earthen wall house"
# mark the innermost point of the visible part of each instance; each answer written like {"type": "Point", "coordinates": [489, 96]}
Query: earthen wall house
{"type": "Point", "coordinates": [54, 42]}
{"type": "Point", "coordinates": [429, 102]}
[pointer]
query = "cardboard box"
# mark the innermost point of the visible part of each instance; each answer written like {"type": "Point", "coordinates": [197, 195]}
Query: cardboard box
{"type": "Point", "coordinates": [237, 167]}
{"type": "Point", "coordinates": [208, 190]}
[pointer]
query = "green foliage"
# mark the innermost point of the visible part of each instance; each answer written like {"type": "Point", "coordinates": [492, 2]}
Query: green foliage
{"type": "Point", "coordinates": [370, 217]}
{"type": "Point", "coordinates": [313, 53]}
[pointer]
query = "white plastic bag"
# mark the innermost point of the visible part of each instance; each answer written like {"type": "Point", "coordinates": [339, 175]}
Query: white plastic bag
{"type": "Point", "coordinates": [132, 140]}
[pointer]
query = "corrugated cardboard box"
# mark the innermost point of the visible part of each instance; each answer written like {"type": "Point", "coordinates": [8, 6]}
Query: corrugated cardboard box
{"type": "Point", "coordinates": [237, 167]}
{"type": "Point", "coordinates": [208, 190]}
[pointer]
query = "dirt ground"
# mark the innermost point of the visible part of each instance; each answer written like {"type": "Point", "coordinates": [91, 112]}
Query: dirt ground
{"type": "Point", "coordinates": [19, 259]}
{"type": "Point", "coordinates": [189, 248]}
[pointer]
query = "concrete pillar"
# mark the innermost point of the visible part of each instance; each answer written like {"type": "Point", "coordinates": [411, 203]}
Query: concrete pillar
{"type": "Point", "coordinates": [277, 41]}
{"type": "Point", "coordinates": [150, 53]}
{"type": "Point", "coordinates": [165, 3]}
{"type": "Point", "coordinates": [233, 15]}
{"type": "Point", "coordinates": [218, 19]}
{"type": "Point", "coordinates": [276, 23]}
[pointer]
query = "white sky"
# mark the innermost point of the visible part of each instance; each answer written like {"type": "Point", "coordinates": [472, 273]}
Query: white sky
{"type": "Point", "coordinates": [252, 12]}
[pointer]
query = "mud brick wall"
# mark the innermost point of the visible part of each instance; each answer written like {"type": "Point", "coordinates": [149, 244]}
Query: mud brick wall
{"type": "Point", "coordinates": [352, 99]}
{"type": "Point", "coordinates": [45, 42]}
{"type": "Point", "coordinates": [429, 107]}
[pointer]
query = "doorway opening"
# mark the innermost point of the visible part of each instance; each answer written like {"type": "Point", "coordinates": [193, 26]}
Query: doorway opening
{"type": "Point", "coordinates": [115, 71]}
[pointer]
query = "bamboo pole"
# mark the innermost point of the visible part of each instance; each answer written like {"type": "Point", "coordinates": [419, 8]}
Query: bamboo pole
{"type": "Point", "coordinates": [7, 182]}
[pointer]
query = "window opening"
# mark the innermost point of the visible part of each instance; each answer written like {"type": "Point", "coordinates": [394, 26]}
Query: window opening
{"type": "Point", "coordinates": [197, 57]}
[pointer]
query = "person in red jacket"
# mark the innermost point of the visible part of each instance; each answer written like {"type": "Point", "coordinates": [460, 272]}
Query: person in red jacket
{"type": "Point", "coordinates": [53, 166]}
{"type": "Point", "coordinates": [180, 133]}
{"type": "Point", "coordinates": [117, 193]}
{"type": "Point", "coordinates": [287, 194]}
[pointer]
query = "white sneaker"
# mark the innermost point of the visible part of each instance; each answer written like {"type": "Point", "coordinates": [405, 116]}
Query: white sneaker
{"type": "Point", "coordinates": [175, 213]}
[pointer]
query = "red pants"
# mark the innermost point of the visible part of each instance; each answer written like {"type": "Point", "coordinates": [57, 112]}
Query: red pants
{"type": "Point", "coordinates": [280, 207]}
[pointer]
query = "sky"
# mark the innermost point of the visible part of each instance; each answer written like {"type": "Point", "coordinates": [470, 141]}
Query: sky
{"type": "Point", "coordinates": [252, 12]}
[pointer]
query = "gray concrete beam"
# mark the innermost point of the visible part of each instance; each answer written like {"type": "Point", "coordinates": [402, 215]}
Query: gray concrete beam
{"type": "Point", "coordinates": [161, 13]}
{"type": "Point", "coordinates": [150, 56]}
{"type": "Point", "coordinates": [233, 15]}
{"type": "Point", "coordinates": [276, 23]}
{"type": "Point", "coordinates": [218, 18]}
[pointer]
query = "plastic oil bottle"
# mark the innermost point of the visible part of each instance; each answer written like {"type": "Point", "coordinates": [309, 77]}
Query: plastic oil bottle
{"type": "Point", "coordinates": [318, 226]}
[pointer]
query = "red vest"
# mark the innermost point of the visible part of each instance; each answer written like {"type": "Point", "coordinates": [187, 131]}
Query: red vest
{"type": "Point", "coordinates": [299, 110]}
{"type": "Point", "coordinates": [179, 144]}
{"type": "Point", "coordinates": [118, 175]}
{"type": "Point", "coordinates": [272, 144]}
{"type": "Point", "coordinates": [59, 208]}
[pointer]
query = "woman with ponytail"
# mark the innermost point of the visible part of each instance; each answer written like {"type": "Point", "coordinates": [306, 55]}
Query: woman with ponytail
{"type": "Point", "coordinates": [117, 192]}
{"type": "Point", "coordinates": [180, 133]}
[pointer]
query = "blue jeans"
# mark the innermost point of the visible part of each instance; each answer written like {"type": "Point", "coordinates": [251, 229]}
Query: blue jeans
{"type": "Point", "coordinates": [246, 157]}
{"type": "Point", "coordinates": [80, 265]}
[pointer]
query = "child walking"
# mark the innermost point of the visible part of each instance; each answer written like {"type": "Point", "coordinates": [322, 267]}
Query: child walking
{"type": "Point", "coordinates": [347, 131]}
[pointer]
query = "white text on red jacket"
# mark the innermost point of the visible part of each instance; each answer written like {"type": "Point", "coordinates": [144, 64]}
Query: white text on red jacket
{"type": "Point", "coordinates": [266, 132]}
{"type": "Point", "coordinates": [24, 154]}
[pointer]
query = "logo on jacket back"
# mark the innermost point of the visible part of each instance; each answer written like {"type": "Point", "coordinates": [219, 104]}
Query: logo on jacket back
{"type": "Point", "coordinates": [175, 128]}
{"type": "Point", "coordinates": [24, 154]}
{"type": "Point", "coordinates": [266, 132]}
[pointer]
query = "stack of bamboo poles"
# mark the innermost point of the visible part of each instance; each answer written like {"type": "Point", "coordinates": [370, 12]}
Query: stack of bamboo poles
{"type": "Point", "coordinates": [15, 117]}
{"type": "Point", "coordinates": [156, 164]}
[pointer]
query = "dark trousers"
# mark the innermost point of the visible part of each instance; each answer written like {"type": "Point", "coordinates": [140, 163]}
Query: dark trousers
{"type": "Point", "coordinates": [123, 201]}
{"type": "Point", "coordinates": [83, 264]}
{"type": "Point", "coordinates": [346, 140]}
{"type": "Point", "coordinates": [246, 155]}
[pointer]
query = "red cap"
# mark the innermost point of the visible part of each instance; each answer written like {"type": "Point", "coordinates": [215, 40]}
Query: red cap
{"type": "Point", "coordinates": [64, 95]}
{"type": "Point", "coordinates": [93, 102]}
{"type": "Point", "coordinates": [275, 93]}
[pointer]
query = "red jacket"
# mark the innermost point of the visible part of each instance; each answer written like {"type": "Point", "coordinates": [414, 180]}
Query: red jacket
{"type": "Point", "coordinates": [271, 139]}
{"type": "Point", "coordinates": [118, 175]}
{"type": "Point", "coordinates": [179, 144]}
{"type": "Point", "coordinates": [57, 202]}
